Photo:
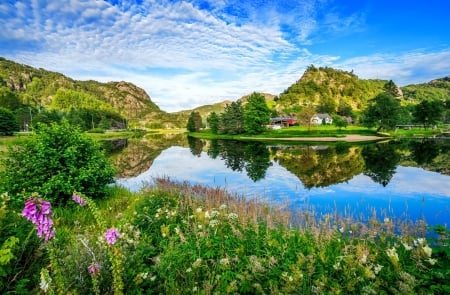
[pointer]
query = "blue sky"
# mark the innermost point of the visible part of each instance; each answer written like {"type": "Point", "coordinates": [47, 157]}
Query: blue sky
{"type": "Point", "coordinates": [190, 53]}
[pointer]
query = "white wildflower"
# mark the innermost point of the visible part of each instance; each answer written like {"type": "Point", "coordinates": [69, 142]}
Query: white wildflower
{"type": "Point", "coordinates": [197, 263]}
{"type": "Point", "coordinates": [427, 250]}
{"type": "Point", "coordinates": [215, 214]}
{"type": "Point", "coordinates": [432, 261]}
{"type": "Point", "coordinates": [377, 268]}
{"type": "Point", "coordinates": [198, 210]}
{"type": "Point", "coordinates": [213, 223]}
{"type": "Point", "coordinates": [232, 216]}
{"type": "Point", "coordinates": [223, 207]}
{"type": "Point", "coordinates": [189, 270]}
{"type": "Point", "coordinates": [407, 247]}
{"type": "Point", "coordinates": [224, 261]}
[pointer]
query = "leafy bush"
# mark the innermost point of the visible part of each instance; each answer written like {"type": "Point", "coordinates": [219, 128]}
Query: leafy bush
{"type": "Point", "coordinates": [56, 162]}
{"type": "Point", "coordinates": [8, 124]}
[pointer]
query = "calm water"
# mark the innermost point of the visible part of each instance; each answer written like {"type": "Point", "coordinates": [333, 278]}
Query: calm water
{"type": "Point", "coordinates": [407, 180]}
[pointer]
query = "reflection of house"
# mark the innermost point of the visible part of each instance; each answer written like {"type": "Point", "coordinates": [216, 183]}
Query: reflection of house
{"type": "Point", "coordinates": [283, 121]}
{"type": "Point", "coordinates": [320, 119]}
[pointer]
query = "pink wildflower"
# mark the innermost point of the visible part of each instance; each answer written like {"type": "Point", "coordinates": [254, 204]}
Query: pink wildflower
{"type": "Point", "coordinates": [77, 199]}
{"type": "Point", "coordinates": [39, 212]}
{"type": "Point", "coordinates": [94, 269]}
{"type": "Point", "coordinates": [111, 235]}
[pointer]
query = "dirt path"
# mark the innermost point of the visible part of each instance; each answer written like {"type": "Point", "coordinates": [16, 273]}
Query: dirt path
{"type": "Point", "coordinates": [347, 138]}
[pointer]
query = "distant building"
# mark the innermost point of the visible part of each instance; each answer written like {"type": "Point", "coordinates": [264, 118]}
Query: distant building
{"type": "Point", "coordinates": [283, 121]}
{"type": "Point", "coordinates": [320, 119]}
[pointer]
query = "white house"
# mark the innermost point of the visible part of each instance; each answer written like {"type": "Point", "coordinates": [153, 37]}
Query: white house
{"type": "Point", "coordinates": [320, 119]}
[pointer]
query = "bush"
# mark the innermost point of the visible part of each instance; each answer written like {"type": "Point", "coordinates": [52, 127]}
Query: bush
{"type": "Point", "coordinates": [56, 162]}
{"type": "Point", "coordinates": [8, 124]}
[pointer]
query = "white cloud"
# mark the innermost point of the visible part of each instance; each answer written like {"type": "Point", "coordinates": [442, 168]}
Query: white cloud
{"type": "Point", "coordinates": [184, 56]}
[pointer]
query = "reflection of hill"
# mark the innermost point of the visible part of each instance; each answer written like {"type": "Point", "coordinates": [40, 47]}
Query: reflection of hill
{"type": "Point", "coordinates": [138, 156]}
{"type": "Point", "coordinates": [318, 167]}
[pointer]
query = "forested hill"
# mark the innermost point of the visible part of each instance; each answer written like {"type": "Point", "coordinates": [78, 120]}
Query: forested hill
{"type": "Point", "coordinates": [41, 89]}
{"type": "Point", "coordinates": [329, 89]}
{"type": "Point", "coordinates": [436, 89]}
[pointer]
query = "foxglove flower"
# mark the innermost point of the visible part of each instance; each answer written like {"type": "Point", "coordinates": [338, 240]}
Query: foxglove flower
{"type": "Point", "coordinates": [111, 235]}
{"type": "Point", "coordinates": [94, 269]}
{"type": "Point", "coordinates": [39, 212]}
{"type": "Point", "coordinates": [77, 199]}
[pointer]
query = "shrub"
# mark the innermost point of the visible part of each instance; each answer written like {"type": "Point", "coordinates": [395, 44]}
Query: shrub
{"type": "Point", "coordinates": [8, 124]}
{"type": "Point", "coordinates": [56, 162]}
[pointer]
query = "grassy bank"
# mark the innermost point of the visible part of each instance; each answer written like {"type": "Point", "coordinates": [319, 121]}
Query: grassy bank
{"type": "Point", "coordinates": [181, 239]}
{"type": "Point", "coordinates": [323, 131]}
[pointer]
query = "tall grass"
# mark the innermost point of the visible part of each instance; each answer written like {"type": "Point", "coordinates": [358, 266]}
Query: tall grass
{"type": "Point", "coordinates": [183, 239]}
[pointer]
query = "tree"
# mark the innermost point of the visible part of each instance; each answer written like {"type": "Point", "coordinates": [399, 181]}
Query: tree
{"type": "Point", "coordinates": [232, 119]}
{"type": "Point", "coordinates": [392, 89]}
{"type": "Point", "coordinates": [56, 162]}
{"type": "Point", "coordinates": [383, 112]}
{"type": "Point", "coordinates": [8, 123]}
{"type": "Point", "coordinates": [305, 115]}
{"type": "Point", "coordinates": [428, 112]}
{"type": "Point", "coordinates": [194, 122]}
{"type": "Point", "coordinates": [327, 105]}
{"type": "Point", "coordinates": [213, 121]}
{"type": "Point", "coordinates": [339, 122]}
{"type": "Point", "coordinates": [256, 114]}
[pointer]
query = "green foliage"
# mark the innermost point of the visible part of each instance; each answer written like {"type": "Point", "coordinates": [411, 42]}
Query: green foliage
{"type": "Point", "coordinates": [57, 161]}
{"type": "Point", "coordinates": [214, 122]}
{"type": "Point", "coordinates": [232, 119]}
{"type": "Point", "coordinates": [8, 123]}
{"type": "Point", "coordinates": [9, 99]}
{"type": "Point", "coordinates": [391, 89]}
{"type": "Point", "coordinates": [428, 112]}
{"type": "Point", "coordinates": [194, 122]}
{"type": "Point", "coordinates": [383, 112]}
{"type": "Point", "coordinates": [256, 114]}
{"type": "Point", "coordinates": [304, 116]}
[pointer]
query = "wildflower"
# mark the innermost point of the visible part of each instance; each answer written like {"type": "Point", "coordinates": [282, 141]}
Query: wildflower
{"type": "Point", "coordinates": [232, 216]}
{"type": "Point", "coordinates": [94, 269]}
{"type": "Point", "coordinates": [198, 210]}
{"type": "Point", "coordinates": [214, 214]}
{"type": "Point", "coordinates": [419, 242]}
{"type": "Point", "coordinates": [223, 207]}
{"type": "Point", "coordinates": [392, 253]}
{"type": "Point", "coordinates": [189, 270]}
{"type": "Point", "coordinates": [427, 250]}
{"type": "Point", "coordinates": [432, 261]}
{"type": "Point", "coordinates": [207, 214]}
{"type": "Point", "coordinates": [213, 223]}
{"type": "Point", "coordinates": [111, 235]}
{"type": "Point", "coordinates": [39, 212]}
{"type": "Point", "coordinates": [377, 268]}
{"type": "Point", "coordinates": [77, 199]}
{"type": "Point", "coordinates": [407, 247]}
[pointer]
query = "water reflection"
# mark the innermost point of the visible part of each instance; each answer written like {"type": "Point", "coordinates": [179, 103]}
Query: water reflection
{"type": "Point", "coordinates": [404, 178]}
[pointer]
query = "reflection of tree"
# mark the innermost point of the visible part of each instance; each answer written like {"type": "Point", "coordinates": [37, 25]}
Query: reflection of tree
{"type": "Point", "coordinates": [381, 161]}
{"type": "Point", "coordinates": [195, 145]}
{"type": "Point", "coordinates": [139, 154]}
{"type": "Point", "coordinates": [423, 152]}
{"type": "Point", "coordinates": [253, 156]}
{"type": "Point", "coordinates": [322, 166]}
{"type": "Point", "coordinates": [257, 158]}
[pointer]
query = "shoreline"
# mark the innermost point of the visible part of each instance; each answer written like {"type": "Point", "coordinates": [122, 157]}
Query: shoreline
{"type": "Point", "coordinates": [346, 138]}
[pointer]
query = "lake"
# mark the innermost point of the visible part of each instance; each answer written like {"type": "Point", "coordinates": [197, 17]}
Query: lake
{"type": "Point", "coordinates": [403, 180]}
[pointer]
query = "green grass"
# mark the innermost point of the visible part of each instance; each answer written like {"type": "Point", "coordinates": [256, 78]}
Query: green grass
{"type": "Point", "coordinates": [182, 239]}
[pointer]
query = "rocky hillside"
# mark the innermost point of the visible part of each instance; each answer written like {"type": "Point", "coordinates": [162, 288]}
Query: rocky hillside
{"type": "Point", "coordinates": [38, 88]}
{"type": "Point", "coordinates": [329, 87]}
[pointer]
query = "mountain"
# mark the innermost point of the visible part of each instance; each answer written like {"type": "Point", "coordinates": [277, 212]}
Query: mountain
{"type": "Point", "coordinates": [39, 88]}
{"type": "Point", "coordinates": [329, 88]}
{"type": "Point", "coordinates": [435, 89]}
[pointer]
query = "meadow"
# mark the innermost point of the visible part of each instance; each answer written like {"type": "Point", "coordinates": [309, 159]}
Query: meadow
{"type": "Point", "coordinates": [174, 238]}
{"type": "Point", "coordinates": [177, 238]}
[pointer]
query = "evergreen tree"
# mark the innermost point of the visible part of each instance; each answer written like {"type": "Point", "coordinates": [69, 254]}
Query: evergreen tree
{"type": "Point", "coordinates": [232, 120]}
{"type": "Point", "coordinates": [256, 114]}
{"type": "Point", "coordinates": [214, 122]}
{"type": "Point", "coordinates": [194, 122]}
